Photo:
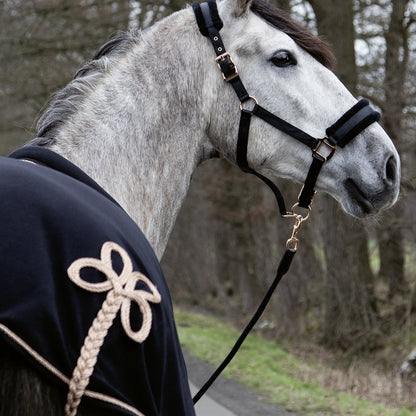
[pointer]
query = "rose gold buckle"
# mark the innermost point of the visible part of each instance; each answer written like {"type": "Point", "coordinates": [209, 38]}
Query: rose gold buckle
{"type": "Point", "coordinates": [221, 58]}
{"type": "Point", "coordinates": [317, 151]}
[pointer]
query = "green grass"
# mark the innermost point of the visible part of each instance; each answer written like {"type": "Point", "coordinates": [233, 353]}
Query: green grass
{"type": "Point", "coordinates": [264, 366]}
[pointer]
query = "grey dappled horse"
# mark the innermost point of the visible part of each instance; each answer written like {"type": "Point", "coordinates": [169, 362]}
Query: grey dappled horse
{"type": "Point", "coordinates": [151, 107]}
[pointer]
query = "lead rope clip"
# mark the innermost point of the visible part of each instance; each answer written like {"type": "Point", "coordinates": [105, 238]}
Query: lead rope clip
{"type": "Point", "coordinates": [293, 242]}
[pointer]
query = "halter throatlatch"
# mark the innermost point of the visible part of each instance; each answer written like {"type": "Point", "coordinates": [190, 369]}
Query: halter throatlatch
{"type": "Point", "coordinates": [353, 122]}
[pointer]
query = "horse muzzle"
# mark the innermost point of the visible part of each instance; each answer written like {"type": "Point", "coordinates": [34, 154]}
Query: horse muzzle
{"type": "Point", "coordinates": [369, 199]}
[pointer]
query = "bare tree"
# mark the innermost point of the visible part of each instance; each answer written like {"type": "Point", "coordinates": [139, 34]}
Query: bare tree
{"type": "Point", "coordinates": [350, 316]}
{"type": "Point", "coordinates": [43, 44]}
{"type": "Point", "coordinates": [390, 233]}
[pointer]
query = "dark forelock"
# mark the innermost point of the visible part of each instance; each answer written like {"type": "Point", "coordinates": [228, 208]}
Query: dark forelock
{"type": "Point", "coordinates": [314, 45]}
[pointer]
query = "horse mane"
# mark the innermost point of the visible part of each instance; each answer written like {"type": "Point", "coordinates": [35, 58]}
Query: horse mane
{"type": "Point", "coordinates": [66, 101]}
{"type": "Point", "coordinates": [116, 46]}
{"type": "Point", "coordinates": [281, 20]}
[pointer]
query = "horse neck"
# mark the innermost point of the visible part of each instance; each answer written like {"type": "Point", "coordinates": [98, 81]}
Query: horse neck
{"type": "Point", "coordinates": [141, 133]}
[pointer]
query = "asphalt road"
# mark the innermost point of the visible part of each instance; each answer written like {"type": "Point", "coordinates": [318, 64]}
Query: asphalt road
{"type": "Point", "coordinates": [209, 407]}
{"type": "Point", "coordinates": [227, 397]}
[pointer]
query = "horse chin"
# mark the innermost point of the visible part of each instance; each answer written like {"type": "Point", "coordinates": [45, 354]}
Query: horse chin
{"type": "Point", "coordinates": [359, 210]}
{"type": "Point", "coordinates": [360, 203]}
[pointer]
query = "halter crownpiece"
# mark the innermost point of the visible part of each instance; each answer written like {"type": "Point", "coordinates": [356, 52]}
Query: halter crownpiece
{"type": "Point", "coordinates": [353, 122]}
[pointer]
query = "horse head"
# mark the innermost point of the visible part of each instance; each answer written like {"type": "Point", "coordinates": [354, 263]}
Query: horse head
{"type": "Point", "coordinates": [288, 71]}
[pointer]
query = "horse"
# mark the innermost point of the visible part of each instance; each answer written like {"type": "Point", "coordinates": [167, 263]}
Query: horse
{"type": "Point", "coordinates": [133, 125]}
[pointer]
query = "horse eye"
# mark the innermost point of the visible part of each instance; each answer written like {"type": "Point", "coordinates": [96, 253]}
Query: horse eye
{"type": "Point", "coordinates": [283, 58]}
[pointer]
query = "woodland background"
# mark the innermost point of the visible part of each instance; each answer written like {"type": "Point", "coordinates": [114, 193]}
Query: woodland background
{"type": "Point", "coordinates": [353, 283]}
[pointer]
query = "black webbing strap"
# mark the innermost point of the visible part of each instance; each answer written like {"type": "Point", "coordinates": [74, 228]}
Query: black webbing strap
{"type": "Point", "coordinates": [283, 268]}
{"type": "Point", "coordinates": [352, 123]}
{"type": "Point", "coordinates": [284, 126]}
{"type": "Point", "coordinates": [242, 143]}
{"type": "Point", "coordinates": [210, 24]}
{"type": "Point", "coordinates": [307, 192]}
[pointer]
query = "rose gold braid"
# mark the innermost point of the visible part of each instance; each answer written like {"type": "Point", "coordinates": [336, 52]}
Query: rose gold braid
{"type": "Point", "coordinates": [121, 292]}
{"type": "Point", "coordinates": [90, 350]}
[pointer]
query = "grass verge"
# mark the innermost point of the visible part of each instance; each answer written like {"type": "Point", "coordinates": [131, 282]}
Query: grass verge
{"type": "Point", "coordinates": [263, 366]}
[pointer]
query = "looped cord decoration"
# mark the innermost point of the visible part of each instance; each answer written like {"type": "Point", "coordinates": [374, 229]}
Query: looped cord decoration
{"type": "Point", "coordinates": [121, 292]}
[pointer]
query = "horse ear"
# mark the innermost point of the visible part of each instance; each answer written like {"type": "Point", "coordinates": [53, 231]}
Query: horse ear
{"type": "Point", "coordinates": [242, 7]}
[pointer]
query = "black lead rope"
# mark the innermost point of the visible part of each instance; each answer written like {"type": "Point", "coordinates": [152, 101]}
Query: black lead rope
{"type": "Point", "coordinates": [353, 122]}
{"type": "Point", "coordinates": [284, 266]}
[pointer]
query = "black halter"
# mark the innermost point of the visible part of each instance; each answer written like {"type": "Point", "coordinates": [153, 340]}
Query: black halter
{"type": "Point", "coordinates": [353, 122]}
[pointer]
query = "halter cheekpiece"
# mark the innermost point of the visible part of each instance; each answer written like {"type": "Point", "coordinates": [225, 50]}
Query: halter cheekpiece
{"type": "Point", "coordinates": [348, 126]}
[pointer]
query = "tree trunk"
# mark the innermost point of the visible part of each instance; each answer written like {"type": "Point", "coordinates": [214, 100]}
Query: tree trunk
{"type": "Point", "coordinates": [390, 232]}
{"type": "Point", "coordinates": [350, 314]}
{"type": "Point", "coordinates": [43, 44]}
{"type": "Point", "coordinates": [335, 22]}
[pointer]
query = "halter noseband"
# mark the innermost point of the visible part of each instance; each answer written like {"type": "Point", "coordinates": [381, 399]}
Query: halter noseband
{"type": "Point", "coordinates": [353, 122]}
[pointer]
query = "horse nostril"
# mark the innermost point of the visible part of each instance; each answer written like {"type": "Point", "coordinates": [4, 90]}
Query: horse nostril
{"type": "Point", "coordinates": [391, 169]}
